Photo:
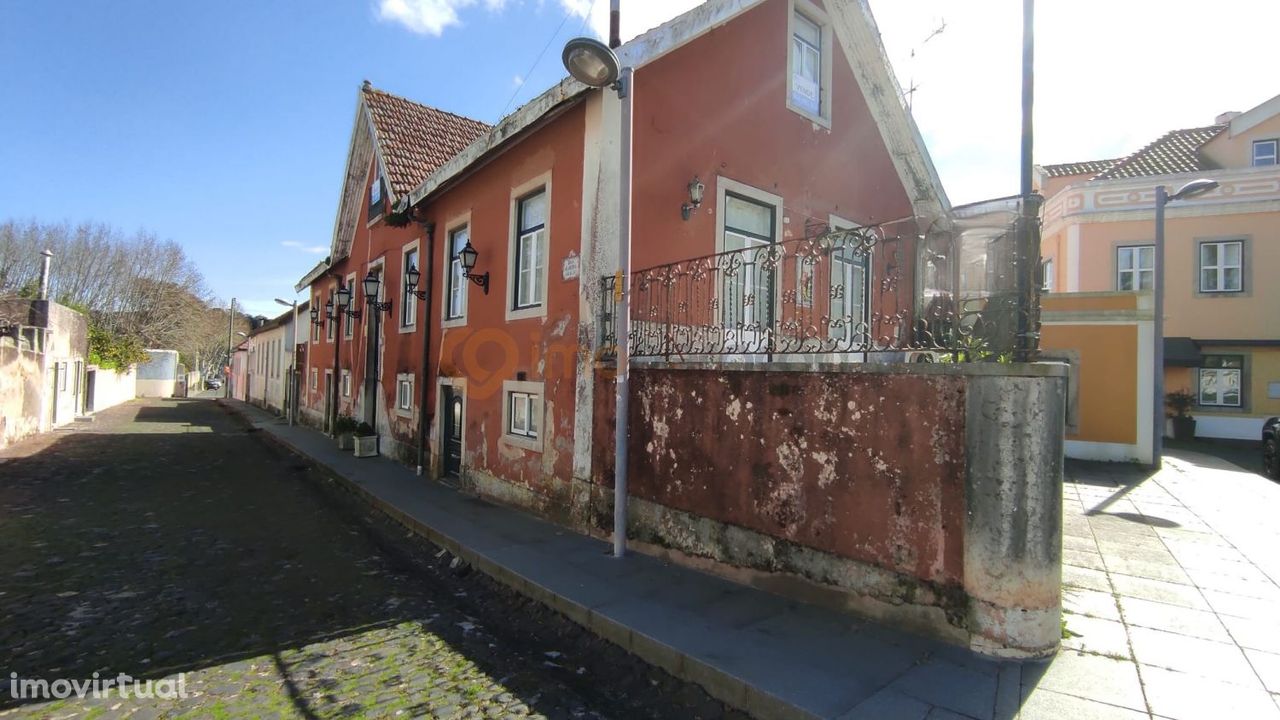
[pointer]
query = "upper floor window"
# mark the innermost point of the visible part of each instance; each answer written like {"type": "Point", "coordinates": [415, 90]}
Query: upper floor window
{"type": "Point", "coordinates": [456, 281]}
{"type": "Point", "coordinates": [809, 62]}
{"type": "Point", "coordinates": [330, 325]}
{"type": "Point", "coordinates": [349, 322]}
{"type": "Point", "coordinates": [1221, 266]}
{"type": "Point", "coordinates": [408, 306]}
{"type": "Point", "coordinates": [1219, 379]}
{"type": "Point", "coordinates": [1046, 276]}
{"type": "Point", "coordinates": [315, 325]}
{"type": "Point", "coordinates": [1266, 152]}
{"type": "Point", "coordinates": [1136, 267]}
{"type": "Point", "coordinates": [530, 250]}
{"type": "Point", "coordinates": [376, 197]}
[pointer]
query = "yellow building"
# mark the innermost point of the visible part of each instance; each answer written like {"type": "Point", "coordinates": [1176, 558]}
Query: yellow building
{"type": "Point", "coordinates": [1222, 255]}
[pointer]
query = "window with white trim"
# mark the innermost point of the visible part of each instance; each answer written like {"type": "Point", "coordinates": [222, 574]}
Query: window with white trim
{"type": "Point", "coordinates": [1136, 267]}
{"type": "Point", "coordinates": [315, 325]}
{"type": "Point", "coordinates": [530, 250]}
{"type": "Point", "coordinates": [1221, 266]}
{"type": "Point", "coordinates": [1046, 276]}
{"type": "Point", "coordinates": [330, 325]}
{"type": "Point", "coordinates": [849, 291]}
{"type": "Point", "coordinates": [1266, 152]}
{"type": "Point", "coordinates": [377, 197]}
{"type": "Point", "coordinates": [809, 62]}
{"type": "Point", "coordinates": [748, 225]}
{"type": "Point", "coordinates": [455, 278]}
{"type": "Point", "coordinates": [1219, 380]}
{"type": "Point", "coordinates": [524, 412]}
{"type": "Point", "coordinates": [348, 322]}
{"type": "Point", "coordinates": [315, 379]}
{"type": "Point", "coordinates": [408, 306]}
{"type": "Point", "coordinates": [404, 392]}
{"type": "Point", "coordinates": [346, 383]}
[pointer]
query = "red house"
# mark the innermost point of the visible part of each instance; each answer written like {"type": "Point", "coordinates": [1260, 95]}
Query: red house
{"type": "Point", "coordinates": [784, 112]}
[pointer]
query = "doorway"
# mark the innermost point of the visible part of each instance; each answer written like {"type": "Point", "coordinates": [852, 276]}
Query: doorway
{"type": "Point", "coordinates": [451, 442]}
{"type": "Point", "coordinates": [328, 401]}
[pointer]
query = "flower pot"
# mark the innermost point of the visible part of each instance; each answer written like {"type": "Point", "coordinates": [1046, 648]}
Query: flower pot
{"type": "Point", "coordinates": [346, 441]}
{"type": "Point", "coordinates": [1184, 428]}
{"type": "Point", "coordinates": [366, 446]}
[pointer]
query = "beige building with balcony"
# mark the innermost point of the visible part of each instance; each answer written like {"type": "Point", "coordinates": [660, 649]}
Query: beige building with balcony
{"type": "Point", "coordinates": [1222, 254]}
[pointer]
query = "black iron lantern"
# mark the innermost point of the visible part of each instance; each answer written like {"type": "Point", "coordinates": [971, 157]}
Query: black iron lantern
{"type": "Point", "coordinates": [315, 316]}
{"type": "Point", "coordinates": [344, 297]}
{"type": "Point", "coordinates": [468, 255]}
{"type": "Point", "coordinates": [695, 198]}
{"type": "Point", "coordinates": [371, 283]}
{"type": "Point", "coordinates": [328, 309]}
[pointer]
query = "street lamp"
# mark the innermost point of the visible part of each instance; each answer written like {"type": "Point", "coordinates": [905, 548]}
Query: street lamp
{"type": "Point", "coordinates": [468, 256]}
{"type": "Point", "coordinates": [1190, 190]}
{"type": "Point", "coordinates": [294, 383]}
{"type": "Point", "coordinates": [592, 63]}
{"type": "Point", "coordinates": [371, 283]}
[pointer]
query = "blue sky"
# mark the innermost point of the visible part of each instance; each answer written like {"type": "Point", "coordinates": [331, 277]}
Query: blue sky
{"type": "Point", "coordinates": [224, 125]}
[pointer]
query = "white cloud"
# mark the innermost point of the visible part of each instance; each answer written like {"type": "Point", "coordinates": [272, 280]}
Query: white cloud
{"type": "Point", "coordinates": [429, 17]}
{"type": "Point", "coordinates": [517, 80]}
{"type": "Point", "coordinates": [1110, 77]}
{"type": "Point", "coordinates": [313, 249]}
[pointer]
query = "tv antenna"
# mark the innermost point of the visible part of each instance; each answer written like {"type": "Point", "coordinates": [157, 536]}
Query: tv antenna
{"type": "Point", "coordinates": [912, 87]}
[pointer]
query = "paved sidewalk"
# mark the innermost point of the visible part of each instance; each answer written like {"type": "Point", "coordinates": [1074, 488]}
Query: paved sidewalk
{"type": "Point", "coordinates": [1162, 569]}
{"type": "Point", "coordinates": [1170, 585]}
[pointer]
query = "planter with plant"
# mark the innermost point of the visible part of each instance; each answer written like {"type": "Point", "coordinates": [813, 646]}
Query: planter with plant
{"type": "Point", "coordinates": [1179, 404]}
{"type": "Point", "coordinates": [344, 430]}
{"type": "Point", "coordinates": [366, 441]}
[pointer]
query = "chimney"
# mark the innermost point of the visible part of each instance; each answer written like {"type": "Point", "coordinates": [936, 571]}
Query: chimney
{"type": "Point", "coordinates": [1226, 117]}
{"type": "Point", "coordinates": [44, 274]}
{"type": "Point", "coordinates": [615, 24]}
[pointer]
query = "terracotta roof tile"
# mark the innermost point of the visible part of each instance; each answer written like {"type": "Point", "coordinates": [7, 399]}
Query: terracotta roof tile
{"type": "Point", "coordinates": [1174, 152]}
{"type": "Point", "coordinates": [416, 139]}
{"type": "Point", "coordinates": [1088, 167]}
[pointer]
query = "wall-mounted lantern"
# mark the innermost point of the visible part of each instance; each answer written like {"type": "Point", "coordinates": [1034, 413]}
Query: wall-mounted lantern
{"type": "Point", "coordinates": [344, 303]}
{"type": "Point", "coordinates": [468, 256]}
{"type": "Point", "coordinates": [695, 198]}
{"type": "Point", "coordinates": [371, 283]}
{"type": "Point", "coordinates": [315, 317]}
{"type": "Point", "coordinates": [328, 310]}
{"type": "Point", "coordinates": [411, 278]}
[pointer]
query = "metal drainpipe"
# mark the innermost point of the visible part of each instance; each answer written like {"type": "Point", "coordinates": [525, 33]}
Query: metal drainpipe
{"type": "Point", "coordinates": [615, 23]}
{"type": "Point", "coordinates": [428, 380]}
{"type": "Point", "coordinates": [46, 256]}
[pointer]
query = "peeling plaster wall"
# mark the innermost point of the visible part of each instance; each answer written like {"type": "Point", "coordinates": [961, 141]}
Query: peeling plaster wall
{"type": "Point", "coordinates": [927, 496]}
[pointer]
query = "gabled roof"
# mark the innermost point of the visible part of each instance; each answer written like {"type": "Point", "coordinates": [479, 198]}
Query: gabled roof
{"type": "Point", "coordinates": [413, 139]}
{"type": "Point", "coordinates": [1175, 152]}
{"type": "Point", "coordinates": [1088, 167]}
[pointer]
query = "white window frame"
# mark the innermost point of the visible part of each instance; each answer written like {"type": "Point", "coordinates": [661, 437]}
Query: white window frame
{"type": "Point", "coordinates": [315, 379]}
{"type": "Point", "coordinates": [1046, 275]}
{"type": "Point", "coordinates": [516, 388]}
{"type": "Point", "coordinates": [836, 222]}
{"type": "Point", "coordinates": [378, 182]}
{"type": "Point", "coordinates": [1221, 268]}
{"type": "Point", "coordinates": [1136, 270]}
{"type": "Point", "coordinates": [1273, 156]}
{"type": "Point", "coordinates": [316, 330]}
{"type": "Point", "coordinates": [344, 384]}
{"type": "Point", "coordinates": [815, 15]}
{"type": "Point", "coordinates": [408, 303]}
{"type": "Point", "coordinates": [451, 275]}
{"type": "Point", "coordinates": [519, 193]}
{"type": "Point", "coordinates": [726, 187]}
{"type": "Point", "coordinates": [348, 322]}
{"type": "Point", "coordinates": [404, 394]}
{"type": "Point", "coordinates": [1219, 374]}
{"type": "Point", "coordinates": [331, 326]}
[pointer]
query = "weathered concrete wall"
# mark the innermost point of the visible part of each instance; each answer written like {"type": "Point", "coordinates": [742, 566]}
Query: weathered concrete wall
{"type": "Point", "coordinates": [41, 373]}
{"type": "Point", "coordinates": [112, 387]}
{"type": "Point", "coordinates": [21, 380]}
{"type": "Point", "coordinates": [925, 495]}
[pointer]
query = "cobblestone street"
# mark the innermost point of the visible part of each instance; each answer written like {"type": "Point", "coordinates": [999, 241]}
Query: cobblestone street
{"type": "Point", "coordinates": [166, 538]}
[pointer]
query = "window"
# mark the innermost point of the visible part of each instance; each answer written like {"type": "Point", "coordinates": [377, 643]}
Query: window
{"type": "Point", "coordinates": [531, 249]}
{"type": "Point", "coordinates": [809, 62]}
{"type": "Point", "coordinates": [404, 393]}
{"type": "Point", "coordinates": [346, 383]}
{"type": "Point", "coordinates": [1265, 152]}
{"type": "Point", "coordinates": [1136, 267]}
{"type": "Point", "coordinates": [1046, 276]}
{"type": "Point", "coordinates": [376, 199]}
{"type": "Point", "coordinates": [748, 295]}
{"type": "Point", "coordinates": [315, 379]}
{"type": "Point", "coordinates": [315, 329]}
{"type": "Point", "coordinates": [330, 324]}
{"type": "Point", "coordinates": [408, 306]}
{"type": "Point", "coordinates": [849, 296]}
{"type": "Point", "coordinates": [522, 414]}
{"type": "Point", "coordinates": [1220, 380]}
{"type": "Point", "coordinates": [1221, 264]}
{"type": "Point", "coordinates": [455, 282]}
{"type": "Point", "coordinates": [348, 322]}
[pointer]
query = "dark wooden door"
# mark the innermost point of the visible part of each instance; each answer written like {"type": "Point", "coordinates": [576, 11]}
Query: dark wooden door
{"type": "Point", "coordinates": [452, 432]}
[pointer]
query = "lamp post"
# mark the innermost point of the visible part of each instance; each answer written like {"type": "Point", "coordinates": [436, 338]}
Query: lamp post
{"type": "Point", "coordinates": [592, 63]}
{"type": "Point", "coordinates": [293, 362]}
{"type": "Point", "coordinates": [1190, 190]}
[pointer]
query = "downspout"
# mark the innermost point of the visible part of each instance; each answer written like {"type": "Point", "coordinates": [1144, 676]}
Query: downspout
{"type": "Point", "coordinates": [428, 380]}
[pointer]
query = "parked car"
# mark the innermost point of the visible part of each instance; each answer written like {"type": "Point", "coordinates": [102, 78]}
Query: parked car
{"type": "Point", "coordinates": [1270, 453]}
{"type": "Point", "coordinates": [213, 383]}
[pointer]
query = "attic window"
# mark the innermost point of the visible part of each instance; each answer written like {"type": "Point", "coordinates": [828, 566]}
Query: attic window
{"type": "Point", "coordinates": [809, 62]}
{"type": "Point", "coordinates": [376, 197]}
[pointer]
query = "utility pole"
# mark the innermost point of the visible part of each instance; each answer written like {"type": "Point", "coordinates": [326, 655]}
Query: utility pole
{"type": "Point", "coordinates": [231, 327]}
